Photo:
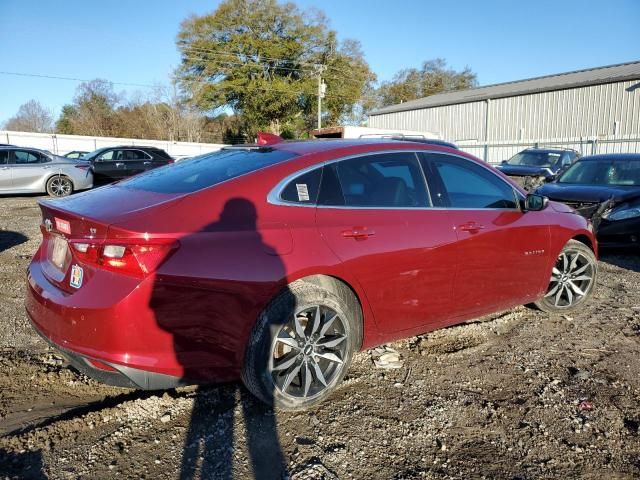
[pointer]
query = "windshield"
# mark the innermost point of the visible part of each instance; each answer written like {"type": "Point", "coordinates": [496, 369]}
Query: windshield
{"type": "Point", "coordinates": [206, 170]}
{"type": "Point", "coordinates": [603, 172]}
{"type": "Point", "coordinates": [534, 159]}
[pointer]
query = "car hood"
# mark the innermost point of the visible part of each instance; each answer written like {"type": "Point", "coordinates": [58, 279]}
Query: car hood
{"type": "Point", "coordinates": [525, 170]}
{"type": "Point", "coordinates": [566, 192]}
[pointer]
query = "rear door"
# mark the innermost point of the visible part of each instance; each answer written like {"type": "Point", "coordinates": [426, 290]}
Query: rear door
{"type": "Point", "coordinates": [136, 161]}
{"type": "Point", "coordinates": [29, 169]}
{"type": "Point", "coordinates": [501, 250]}
{"type": "Point", "coordinates": [5, 171]}
{"type": "Point", "coordinates": [374, 213]}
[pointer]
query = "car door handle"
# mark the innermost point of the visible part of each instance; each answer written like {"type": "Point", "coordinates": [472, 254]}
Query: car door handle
{"type": "Point", "coordinates": [358, 233]}
{"type": "Point", "coordinates": [5, 168]}
{"type": "Point", "coordinates": [147, 163]}
{"type": "Point", "coordinates": [471, 227]}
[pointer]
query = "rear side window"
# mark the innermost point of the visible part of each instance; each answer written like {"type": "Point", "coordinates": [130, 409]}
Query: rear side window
{"type": "Point", "coordinates": [206, 170]}
{"type": "Point", "coordinates": [23, 157]}
{"type": "Point", "coordinates": [135, 155]}
{"type": "Point", "coordinates": [303, 189]}
{"type": "Point", "coordinates": [467, 185]}
{"type": "Point", "coordinates": [382, 180]}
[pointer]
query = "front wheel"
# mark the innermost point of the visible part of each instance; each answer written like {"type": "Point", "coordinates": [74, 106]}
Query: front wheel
{"type": "Point", "coordinates": [572, 279]}
{"type": "Point", "coordinates": [302, 344]}
{"type": "Point", "coordinates": [59, 186]}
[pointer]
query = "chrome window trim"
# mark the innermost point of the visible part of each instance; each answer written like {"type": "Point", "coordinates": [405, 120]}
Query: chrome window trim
{"type": "Point", "coordinates": [273, 197]}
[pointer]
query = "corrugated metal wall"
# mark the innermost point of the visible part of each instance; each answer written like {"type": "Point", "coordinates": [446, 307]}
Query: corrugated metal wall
{"type": "Point", "coordinates": [608, 112]}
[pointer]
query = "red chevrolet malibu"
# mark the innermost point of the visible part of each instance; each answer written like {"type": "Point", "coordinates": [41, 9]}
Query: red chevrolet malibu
{"type": "Point", "coordinates": [275, 264]}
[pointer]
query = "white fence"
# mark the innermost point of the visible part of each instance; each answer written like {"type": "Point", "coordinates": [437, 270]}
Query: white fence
{"type": "Point", "coordinates": [61, 144]}
{"type": "Point", "coordinates": [495, 152]}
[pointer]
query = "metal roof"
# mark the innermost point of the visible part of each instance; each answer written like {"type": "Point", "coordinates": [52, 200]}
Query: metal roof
{"type": "Point", "coordinates": [561, 81]}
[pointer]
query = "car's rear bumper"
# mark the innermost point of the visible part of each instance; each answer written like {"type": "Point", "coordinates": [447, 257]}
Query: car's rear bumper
{"type": "Point", "coordinates": [120, 324]}
{"type": "Point", "coordinates": [115, 374]}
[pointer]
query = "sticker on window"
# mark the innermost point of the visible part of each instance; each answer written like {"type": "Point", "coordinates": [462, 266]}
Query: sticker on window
{"type": "Point", "coordinates": [303, 192]}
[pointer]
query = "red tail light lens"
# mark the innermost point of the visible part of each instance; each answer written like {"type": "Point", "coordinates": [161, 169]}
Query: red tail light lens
{"type": "Point", "coordinates": [133, 259]}
{"type": "Point", "coordinates": [83, 166]}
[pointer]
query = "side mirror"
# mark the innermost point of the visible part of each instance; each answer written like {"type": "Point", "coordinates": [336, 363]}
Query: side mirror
{"type": "Point", "coordinates": [503, 162]}
{"type": "Point", "coordinates": [535, 203]}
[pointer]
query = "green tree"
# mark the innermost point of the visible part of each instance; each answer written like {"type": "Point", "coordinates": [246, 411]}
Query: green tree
{"type": "Point", "coordinates": [261, 58]}
{"type": "Point", "coordinates": [432, 77]}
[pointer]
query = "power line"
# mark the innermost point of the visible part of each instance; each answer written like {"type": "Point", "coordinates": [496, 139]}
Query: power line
{"type": "Point", "coordinates": [203, 82]}
{"type": "Point", "coordinates": [54, 77]}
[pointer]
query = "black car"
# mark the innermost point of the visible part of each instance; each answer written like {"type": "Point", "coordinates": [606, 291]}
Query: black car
{"type": "Point", "coordinates": [114, 163]}
{"type": "Point", "coordinates": [534, 166]}
{"type": "Point", "coordinates": [606, 189]}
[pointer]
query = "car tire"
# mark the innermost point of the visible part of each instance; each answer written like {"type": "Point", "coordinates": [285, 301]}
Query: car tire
{"type": "Point", "coordinates": [573, 278]}
{"type": "Point", "coordinates": [302, 344]}
{"type": "Point", "coordinates": [59, 186]}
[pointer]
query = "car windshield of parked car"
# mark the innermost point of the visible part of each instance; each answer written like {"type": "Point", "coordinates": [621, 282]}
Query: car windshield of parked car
{"type": "Point", "coordinates": [534, 159]}
{"type": "Point", "coordinates": [603, 172]}
{"type": "Point", "coordinates": [201, 172]}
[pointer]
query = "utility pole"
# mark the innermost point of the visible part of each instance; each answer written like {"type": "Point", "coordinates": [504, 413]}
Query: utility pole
{"type": "Point", "coordinates": [322, 89]}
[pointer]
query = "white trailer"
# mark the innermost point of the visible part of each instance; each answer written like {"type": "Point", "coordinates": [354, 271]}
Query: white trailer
{"type": "Point", "coordinates": [349, 131]}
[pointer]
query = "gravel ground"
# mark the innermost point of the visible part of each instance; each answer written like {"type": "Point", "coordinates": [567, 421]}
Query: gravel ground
{"type": "Point", "coordinates": [516, 395]}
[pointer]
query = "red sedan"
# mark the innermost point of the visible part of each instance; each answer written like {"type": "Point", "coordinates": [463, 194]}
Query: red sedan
{"type": "Point", "coordinates": [276, 263]}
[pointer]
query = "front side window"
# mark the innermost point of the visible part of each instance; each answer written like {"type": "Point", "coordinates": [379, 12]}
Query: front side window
{"type": "Point", "coordinates": [380, 180]}
{"type": "Point", "coordinates": [23, 157]}
{"type": "Point", "coordinates": [467, 185]}
{"type": "Point", "coordinates": [107, 155]}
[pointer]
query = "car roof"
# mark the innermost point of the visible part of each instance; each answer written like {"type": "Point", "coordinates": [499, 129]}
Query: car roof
{"type": "Point", "coordinates": [548, 150]}
{"type": "Point", "coordinates": [611, 156]}
{"type": "Point", "coordinates": [303, 147]}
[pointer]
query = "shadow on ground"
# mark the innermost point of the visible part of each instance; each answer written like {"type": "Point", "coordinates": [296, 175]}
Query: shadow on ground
{"type": "Point", "coordinates": [9, 239]}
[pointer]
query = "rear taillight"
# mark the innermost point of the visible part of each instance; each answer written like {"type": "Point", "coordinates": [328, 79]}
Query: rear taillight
{"type": "Point", "coordinates": [139, 259]}
{"type": "Point", "coordinates": [84, 167]}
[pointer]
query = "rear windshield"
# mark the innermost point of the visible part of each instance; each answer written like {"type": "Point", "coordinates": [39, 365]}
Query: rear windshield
{"type": "Point", "coordinates": [206, 170]}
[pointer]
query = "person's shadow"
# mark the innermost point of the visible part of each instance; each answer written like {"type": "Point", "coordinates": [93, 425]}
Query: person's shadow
{"type": "Point", "coordinates": [203, 342]}
{"type": "Point", "coordinates": [27, 465]}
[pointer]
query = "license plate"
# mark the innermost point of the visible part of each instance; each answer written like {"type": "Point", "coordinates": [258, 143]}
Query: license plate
{"type": "Point", "coordinates": [59, 252]}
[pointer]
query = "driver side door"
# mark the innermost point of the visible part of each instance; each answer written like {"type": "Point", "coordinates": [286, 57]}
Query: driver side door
{"type": "Point", "coordinates": [108, 166]}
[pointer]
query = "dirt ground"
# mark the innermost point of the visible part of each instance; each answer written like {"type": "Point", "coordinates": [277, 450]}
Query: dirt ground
{"type": "Point", "coordinates": [517, 395]}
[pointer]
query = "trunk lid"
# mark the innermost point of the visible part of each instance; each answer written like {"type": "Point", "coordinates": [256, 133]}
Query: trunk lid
{"type": "Point", "coordinates": [86, 218]}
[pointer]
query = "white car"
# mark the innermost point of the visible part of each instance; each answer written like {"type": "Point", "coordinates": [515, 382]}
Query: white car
{"type": "Point", "coordinates": [29, 170]}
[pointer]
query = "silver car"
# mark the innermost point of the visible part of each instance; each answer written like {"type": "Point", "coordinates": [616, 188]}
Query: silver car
{"type": "Point", "coordinates": [29, 170]}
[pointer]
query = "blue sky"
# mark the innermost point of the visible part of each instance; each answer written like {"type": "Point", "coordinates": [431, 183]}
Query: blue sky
{"type": "Point", "coordinates": [134, 41]}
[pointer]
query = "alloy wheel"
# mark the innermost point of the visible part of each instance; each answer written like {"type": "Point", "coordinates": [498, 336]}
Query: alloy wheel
{"type": "Point", "coordinates": [60, 187]}
{"type": "Point", "coordinates": [571, 279]}
{"type": "Point", "coordinates": [309, 352]}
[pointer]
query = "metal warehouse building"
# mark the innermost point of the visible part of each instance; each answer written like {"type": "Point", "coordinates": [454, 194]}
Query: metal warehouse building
{"type": "Point", "coordinates": [593, 111]}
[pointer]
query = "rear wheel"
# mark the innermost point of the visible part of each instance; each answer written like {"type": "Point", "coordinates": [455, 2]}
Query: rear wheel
{"type": "Point", "coordinates": [572, 279]}
{"type": "Point", "coordinates": [302, 344]}
{"type": "Point", "coordinates": [59, 186]}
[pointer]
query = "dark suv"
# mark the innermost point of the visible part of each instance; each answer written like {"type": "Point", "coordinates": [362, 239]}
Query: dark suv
{"type": "Point", "coordinates": [534, 166]}
{"type": "Point", "coordinates": [114, 163]}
